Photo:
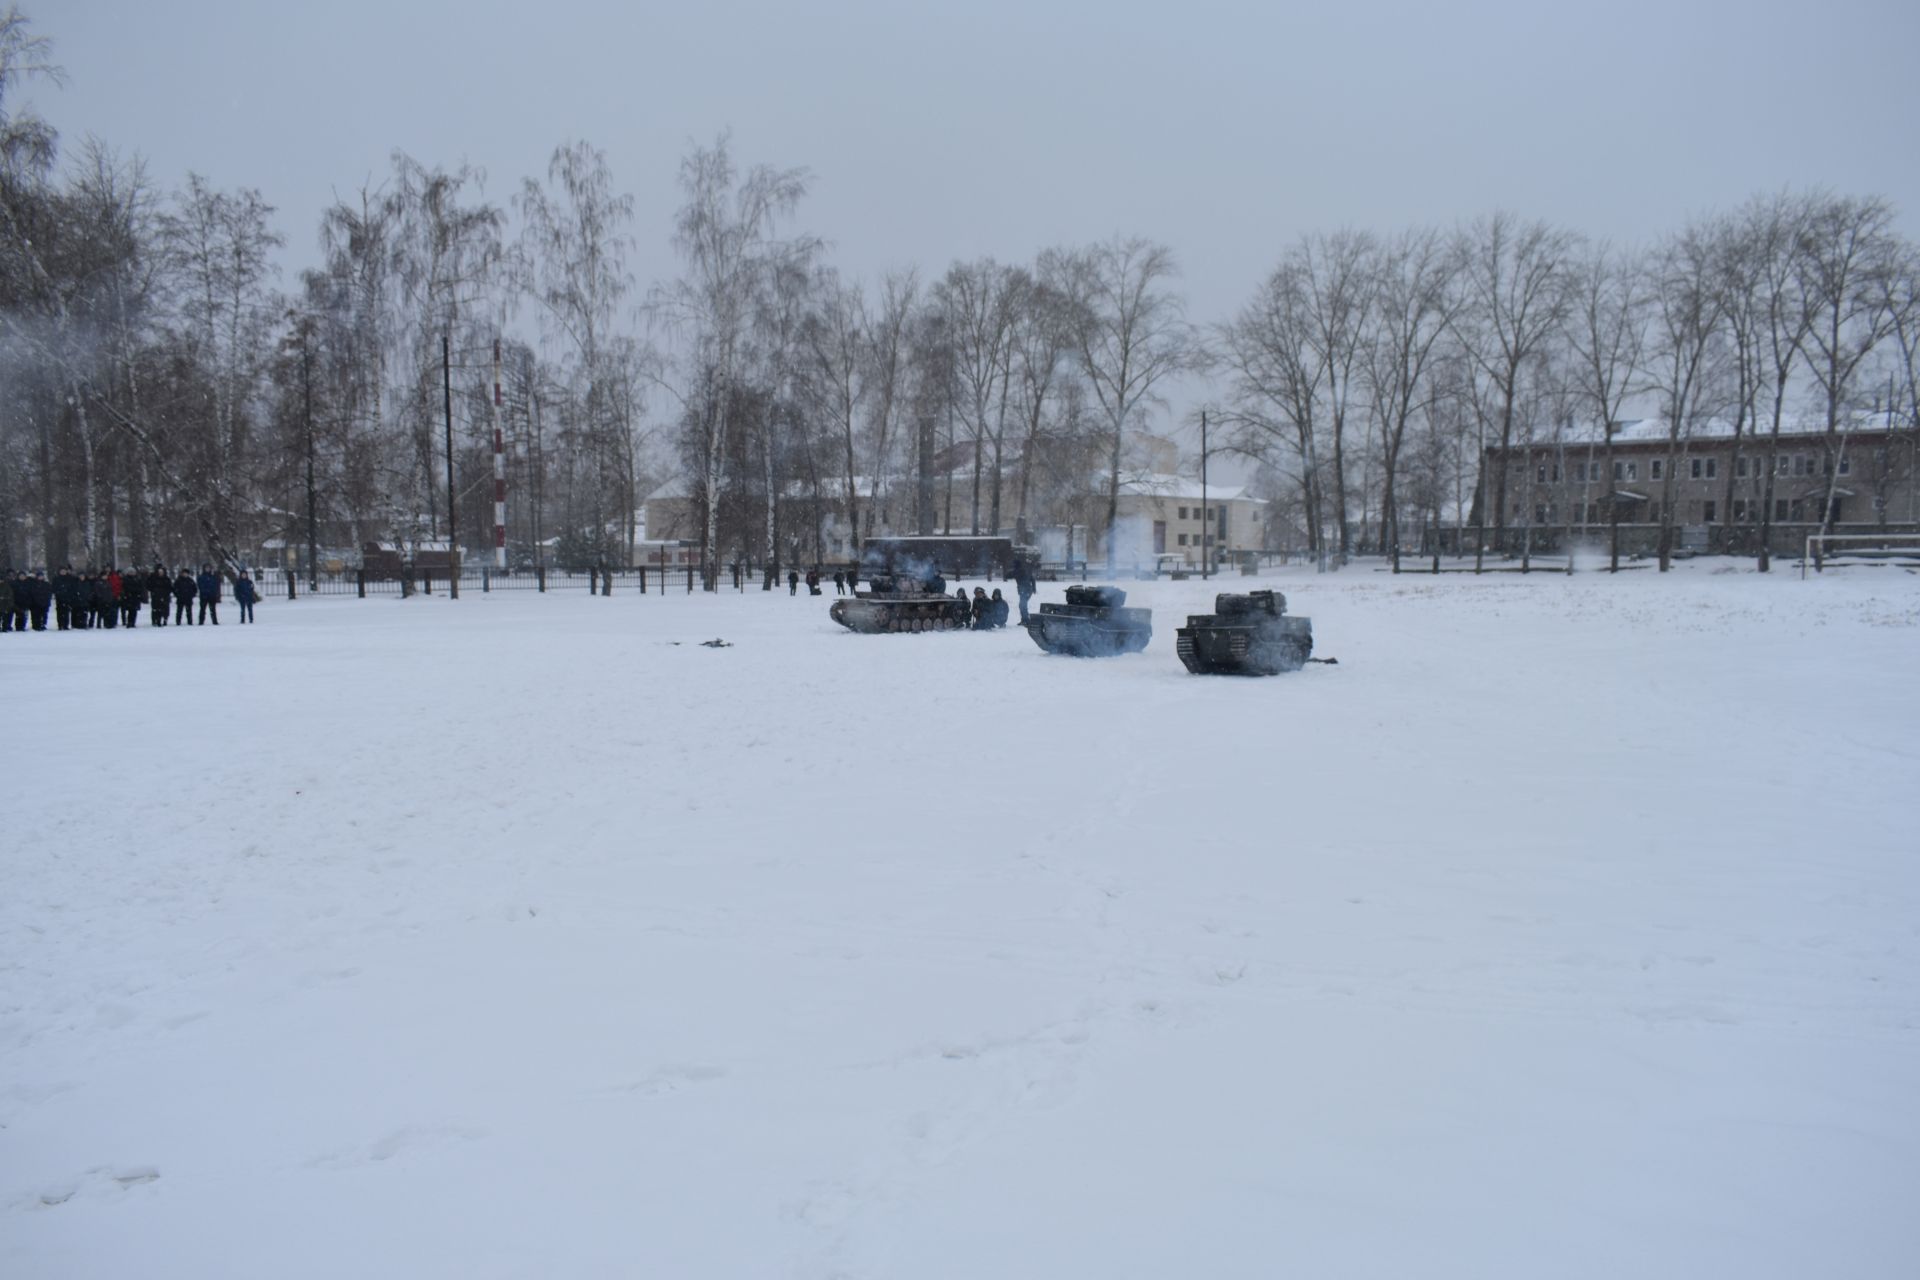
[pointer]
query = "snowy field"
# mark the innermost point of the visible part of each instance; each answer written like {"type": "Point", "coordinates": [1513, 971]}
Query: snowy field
{"type": "Point", "coordinates": [1570, 927]}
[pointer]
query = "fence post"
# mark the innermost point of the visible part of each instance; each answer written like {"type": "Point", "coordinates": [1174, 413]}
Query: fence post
{"type": "Point", "coordinates": [643, 579]}
{"type": "Point", "coordinates": [689, 579]}
{"type": "Point", "coordinates": [360, 582]}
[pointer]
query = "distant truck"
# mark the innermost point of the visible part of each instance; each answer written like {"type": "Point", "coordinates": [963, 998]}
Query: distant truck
{"type": "Point", "coordinates": [951, 556]}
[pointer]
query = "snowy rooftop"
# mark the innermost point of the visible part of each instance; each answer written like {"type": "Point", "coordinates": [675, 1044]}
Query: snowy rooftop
{"type": "Point", "coordinates": [1654, 430]}
{"type": "Point", "coordinates": [1162, 484]}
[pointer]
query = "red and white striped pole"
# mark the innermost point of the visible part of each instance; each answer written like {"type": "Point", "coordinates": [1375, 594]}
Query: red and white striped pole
{"type": "Point", "coordinates": [499, 471]}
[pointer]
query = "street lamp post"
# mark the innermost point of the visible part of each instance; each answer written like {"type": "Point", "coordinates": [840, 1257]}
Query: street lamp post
{"type": "Point", "coordinates": [453, 499]}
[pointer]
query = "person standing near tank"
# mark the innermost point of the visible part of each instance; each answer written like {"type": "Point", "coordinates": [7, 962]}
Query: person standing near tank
{"type": "Point", "coordinates": [1024, 583]}
{"type": "Point", "coordinates": [245, 595]}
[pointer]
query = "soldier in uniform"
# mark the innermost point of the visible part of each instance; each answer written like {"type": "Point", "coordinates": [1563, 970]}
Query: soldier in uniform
{"type": "Point", "coordinates": [243, 591]}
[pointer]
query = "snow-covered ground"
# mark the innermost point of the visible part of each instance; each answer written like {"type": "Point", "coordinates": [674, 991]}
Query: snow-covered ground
{"type": "Point", "coordinates": [1568, 928]}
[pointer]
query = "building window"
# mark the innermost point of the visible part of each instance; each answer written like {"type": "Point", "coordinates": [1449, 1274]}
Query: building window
{"type": "Point", "coordinates": [1540, 474]}
{"type": "Point", "coordinates": [1799, 464]}
{"type": "Point", "coordinates": [1183, 516]}
{"type": "Point", "coordinates": [1593, 513]}
{"type": "Point", "coordinates": [1619, 471]}
{"type": "Point", "coordinates": [1706, 512]}
{"type": "Point", "coordinates": [1580, 472]}
{"type": "Point", "coordinates": [1183, 539]}
{"type": "Point", "coordinates": [1540, 513]}
{"type": "Point", "coordinates": [1779, 508]}
{"type": "Point", "coordinates": [1739, 509]}
{"type": "Point", "coordinates": [1797, 511]}
{"type": "Point", "coordinates": [1658, 469]}
{"type": "Point", "coordinates": [1740, 468]}
{"type": "Point", "coordinates": [1653, 513]}
{"type": "Point", "coordinates": [1846, 465]}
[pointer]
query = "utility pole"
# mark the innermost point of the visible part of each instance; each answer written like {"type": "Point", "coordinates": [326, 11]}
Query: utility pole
{"type": "Point", "coordinates": [306, 392]}
{"type": "Point", "coordinates": [1206, 516]}
{"type": "Point", "coordinates": [453, 499]}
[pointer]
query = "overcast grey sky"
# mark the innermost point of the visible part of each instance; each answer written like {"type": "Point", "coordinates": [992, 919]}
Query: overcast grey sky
{"type": "Point", "coordinates": [936, 132]}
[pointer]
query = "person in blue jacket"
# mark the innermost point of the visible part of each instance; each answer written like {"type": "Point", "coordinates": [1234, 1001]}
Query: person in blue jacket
{"type": "Point", "coordinates": [244, 592]}
{"type": "Point", "coordinates": [209, 585]}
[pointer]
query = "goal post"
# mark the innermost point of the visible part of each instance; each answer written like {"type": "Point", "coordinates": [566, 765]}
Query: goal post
{"type": "Point", "coordinates": [1897, 546]}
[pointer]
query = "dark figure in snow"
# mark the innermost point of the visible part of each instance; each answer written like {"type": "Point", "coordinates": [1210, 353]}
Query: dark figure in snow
{"type": "Point", "coordinates": [133, 594]}
{"type": "Point", "coordinates": [839, 583]}
{"type": "Point", "coordinates": [66, 591]}
{"type": "Point", "coordinates": [1023, 583]}
{"type": "Point", "coordinates": [813, 582]}
{"type": "Point", "coordinates": [981, 608]}
{"type": "Point", "coordinates": [208, 584]}
{"type": "Point", "coordinates": [6, 599]}
{"type": "Point", "coordinates": [244, 593]}
{"type": "Point", "coordinates": [159, 593]}
{"type": "Point", "coordinates": [793, 582]}
{"type": "Point", "coordinates": [997, 612]}
{"type": "Point", "coordinates": [39, 599]}
{"type": "Point", "coordinates": [106, 610]}
{"type": "Point", "coordinates": [183, 591]}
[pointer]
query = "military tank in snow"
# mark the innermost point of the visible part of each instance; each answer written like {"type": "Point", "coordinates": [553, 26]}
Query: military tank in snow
{"type": "Point", "coordinates": [1093, 623]}
{"type": "Point", "coordinates": [1247, 635]}
{"type": "Point", "coordinates": [903, 600]}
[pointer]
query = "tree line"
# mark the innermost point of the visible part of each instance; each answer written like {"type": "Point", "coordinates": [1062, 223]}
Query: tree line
{"type": "Point", "coordinates": [164, 397]}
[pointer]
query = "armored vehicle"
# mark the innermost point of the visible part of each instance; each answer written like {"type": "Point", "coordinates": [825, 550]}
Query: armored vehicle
{"type": "Point", "coordinates": [1091, 624]}
{"type": "Point", "coordinates": [903, 601]}
{"type": "Point", "coordinates": [1246, 635]}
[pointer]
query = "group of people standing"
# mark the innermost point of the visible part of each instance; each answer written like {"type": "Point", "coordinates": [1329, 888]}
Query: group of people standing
{"type": "Point", "coordinates": [105, 599]}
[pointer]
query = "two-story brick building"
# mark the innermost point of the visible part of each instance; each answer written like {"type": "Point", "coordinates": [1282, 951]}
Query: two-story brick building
{"type": "Point", "coordinates": [1571, 483]}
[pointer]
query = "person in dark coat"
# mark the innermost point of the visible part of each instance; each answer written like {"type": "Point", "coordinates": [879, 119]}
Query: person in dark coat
{"type": "Point", "coordinates": [208, 584]}
{"type": "Point", "coordinates": [980, 609]}
{"type": "Point", "coordinates": [793, 582]}
{"type": "Point", "coordinates": [839, 583]}
{"type": "Point", "coordinates": [6, 599]}
{"type": "Point", "coordinates": [243, 591]}
{"type": "Point", "coordinates": [39, 599]}
{"type": "Point", "coordinates": [106, 610]}
{"type": "Point", "coordinates": [997, 615]}
{"type": "Point", "coordinates": [1024, 583]}
{"type": "Point", "coordinates": [183, 590]}
{"type": "Point", "coordinates": [66, 589]}
{"type": "Point", "coordinates": [813, 582]}
{"type": "Point", "coordinates": [159, 593]}
{"type": "Point", "coordinates": [133, 594]}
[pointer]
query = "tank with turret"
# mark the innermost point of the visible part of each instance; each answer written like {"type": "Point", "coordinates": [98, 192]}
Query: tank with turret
{"type": "Point", "coordinates": [1248, 634]}
{"type": "Point", "coordinates": [903, 599]}
{"type": "Point", "coordinates": [1093, 623]}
